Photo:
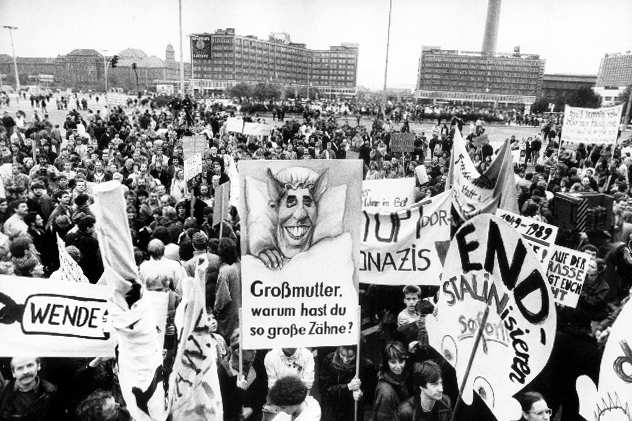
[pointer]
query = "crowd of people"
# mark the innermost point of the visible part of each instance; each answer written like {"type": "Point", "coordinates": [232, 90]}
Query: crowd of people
{"type": "Point", "coordinates": [48, 171]}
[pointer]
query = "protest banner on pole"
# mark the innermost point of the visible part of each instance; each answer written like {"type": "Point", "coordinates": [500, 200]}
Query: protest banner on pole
{"type": "Point", "coordinates": [388, 193]}
{"type": "Point", "coordinates": [69, 269]}
{"type": "Point", "coordinates": [566, 272]}
{"type": "Point", "coordinates": [192, 166]}
{"type": "Point", "coordinates": [490, 264]}
{"type": "Point", "coordinates": [408, 245]}
{"type": "Point", "coordinates": [591, 125]}
{"type": "Point", "coordinates": [300, 242]}
{"type": "Point", "coordinates": [539, 235]}
{"type": "Point", "coordinates": [402, 142]}
{"type": "Point", "coordinates": [476, 193]}
{"type": "Point", "coordinates": [613, 399]}
{"type": "Point", "coordinates": [221, 206]}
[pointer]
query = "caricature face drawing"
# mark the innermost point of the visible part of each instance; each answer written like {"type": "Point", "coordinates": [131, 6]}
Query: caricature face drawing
{"type": "Point", "coordinates": [294, 194]}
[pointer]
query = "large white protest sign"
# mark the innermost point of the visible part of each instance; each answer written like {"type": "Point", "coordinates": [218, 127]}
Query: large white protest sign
{"type": "Point", "coordinates": [234, 125]}
{"type": "Point", "coordinates": [256, 129]}
{"type": "Point", "coordinates": [475, 193]}
{"type": "Point", "coordinates": [591, 125]}
{"type": "Point", "coordinates": [567, 269]}
{"type": "Point", "coordinates": [69, 269]}
{"type": "Point", "coordinates": [192, 166]}
{"type": "Point", "coordinates": [300, 242]}
{"type": "Point", "coordinates": [388, 193]}
{"type": "Point", "coordinates": [613, 399]}
{"type": "Point", "coordinates": [539, 235]}
{"type": "Point", "coordinates": [489, 265]}
{"type": "Point", "coordinates": [408, 245]}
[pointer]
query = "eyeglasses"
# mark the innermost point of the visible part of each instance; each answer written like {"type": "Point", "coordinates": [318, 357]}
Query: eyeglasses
{"type": "Point", "coordinates": [547, 411]}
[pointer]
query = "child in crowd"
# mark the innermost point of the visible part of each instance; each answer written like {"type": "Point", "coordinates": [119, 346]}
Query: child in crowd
{"type": "Point", "coordinates": [411, 321]}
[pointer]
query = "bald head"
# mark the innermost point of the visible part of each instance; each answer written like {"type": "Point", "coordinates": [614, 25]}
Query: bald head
{"type": "Point", "coordinates": [156, 248]}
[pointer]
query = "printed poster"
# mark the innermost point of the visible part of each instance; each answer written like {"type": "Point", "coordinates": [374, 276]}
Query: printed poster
{"type": "Point", "coordinates": [388, 193]}
{"type": "Point", "coordinates": [489, 265]}
{"type": "Point", "coordinates": [407, 245]}
{"type": "Point", "coordinates": [300, 243]}
{"type": "Point", "coordinates": [192, 166]}
{"type": "Point", "coordinates": [591, 125]}
{"type": "Point", "coordinates": [612, 400]}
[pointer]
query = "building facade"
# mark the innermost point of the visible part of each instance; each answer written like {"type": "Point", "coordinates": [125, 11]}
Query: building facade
{"type": "Point", "coordinates": [615, 74]}
{"type": "Point", "coordinates": [462, 76]}
{"type": "Point", "coordinates": [80, 69]}
{"type": "Point", "coordinates": [563, 85]}
{"type": "Point", "coordinates": [29, 68]}
{"type": "Point", "coordinates": [223, 59]}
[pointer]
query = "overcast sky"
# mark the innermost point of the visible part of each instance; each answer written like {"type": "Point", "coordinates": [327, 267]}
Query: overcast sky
{"type": "Point", "coordinates": [572, 35]}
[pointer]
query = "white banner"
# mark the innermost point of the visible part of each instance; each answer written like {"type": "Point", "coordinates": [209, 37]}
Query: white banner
{"type": "Point", "coordinates": [408, 245]}
{"type": "Point", "coordinates": [489, 266]}
{"type": "Point", "coordinates": [257, 129]}
{"type": "Point", "coordinates": [591, 125]}
{"type": "Point", "coordinates": [234, 124]}
{"type": "Point", "coordinates": [300, 240]}
{"type": "Point", "coordinates": [613, 399]}
{"type": "Point", "coordinates": [539, 235]}
{"type": "Point", "coordinates": [68, 268]}
{"type": "Point", "coordinates": [566, 273]}
{"type": "Point", "coordinates": [192, 166]}
{"type": "Point", "coordinates": [388, 193]}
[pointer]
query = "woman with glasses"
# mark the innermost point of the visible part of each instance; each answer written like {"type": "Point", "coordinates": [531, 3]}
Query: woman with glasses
{"type": "Point", "coordinates": [534, 407]}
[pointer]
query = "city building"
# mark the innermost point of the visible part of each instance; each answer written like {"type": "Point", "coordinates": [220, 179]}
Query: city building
{"type": "Point", "coordinates": [615, 74]}
{"type": "Point", "coordinates": [223, 59]}
{"type": "Point", "coordinates": [31, 69]}
{"type": "Point", "coordinates": [80, 69]}
{"type": "Point", "coordinates": [564, 85]}
{"type": "Point", "coordinates": [476, 77]}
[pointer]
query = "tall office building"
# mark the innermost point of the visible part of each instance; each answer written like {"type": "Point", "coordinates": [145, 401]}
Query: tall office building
{"type": "Point", "coordinates": [615, 74]}
{"type": "Point", "coordinates": [223, 59]}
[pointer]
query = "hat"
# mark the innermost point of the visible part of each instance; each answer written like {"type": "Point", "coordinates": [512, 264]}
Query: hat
{"type": "Point", "coordinates": [199, 240]}
{"type": "Point", "coordinates": [74, 253]}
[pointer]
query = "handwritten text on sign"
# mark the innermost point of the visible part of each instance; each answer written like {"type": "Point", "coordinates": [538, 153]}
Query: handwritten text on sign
{"type": "Point", "coordinates": [566, 273]}
{"type": "Point", "coordinates": [539, 235]}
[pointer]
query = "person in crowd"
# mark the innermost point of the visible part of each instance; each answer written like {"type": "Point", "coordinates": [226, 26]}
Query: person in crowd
{"type": "Point", "coordinates": [428, 402]}
{"type": "Point", "coordinates": [290, 395]}
{"type": "Point", "coordinates": [281, 362]}
{"type": "Point", "coordinates": [170, 273]}
{"type": "Point", "coordinates": [228, 290]}
{"type": "Point", "coordinates": [394, 382]}
{"type": "Point", "coordinates": [15, 226]}
{"type": "Point", "coordinates": [84, 239]}
{"type": "Point", "coordinates": [28, 397]}
{"type": "Point", "coordinates": [534, 407]}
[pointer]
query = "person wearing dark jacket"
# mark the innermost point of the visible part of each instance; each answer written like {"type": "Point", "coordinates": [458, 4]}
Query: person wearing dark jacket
{"type": "Point", "coordinates": [84, 240]}
{"type": "Point", "coordinates": [429, 403]}
{"type": "Point", "coordinates": [28, 397]}
{"type": "Point", "coordinates": [339, 386]}
{"type": "Point", "coordinates": [393, 383]}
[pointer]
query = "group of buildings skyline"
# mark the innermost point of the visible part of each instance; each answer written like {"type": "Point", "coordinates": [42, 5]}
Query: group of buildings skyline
{"type": "Point", "coordinates": [222, 59]}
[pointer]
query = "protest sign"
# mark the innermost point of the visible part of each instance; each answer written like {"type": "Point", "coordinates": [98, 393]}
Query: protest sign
{"type": "Point", "coordinates": [192, 166]}
{"type": "Point", "coordinates": [300, 243]}
{"type": "Point", "coordinates": [117, 99]}
{"type": "Point", "coordinates": [591, 125]}
{"type": "Point", "coordinates": [476, 193]}
{"type": "Point", "coordinates": [388, 193]}
{"type": "Point", "coordinates": [234, 125]}
{"type": "Point", "coordinates": [193, 144]}
{"type": "Point", "coordinates": [402, 142]}
{"type": "Point", "coordinates": [69, 269]}
{"type": "Point", "coordinates": [567, 269]}
{"type": "Point", "coordinates": [221, 207]}
{"type": "Point", "coordinates": [613, 399]}
{"type": "Point", "coordinates": [539, 235]}
{"type": "Point", "coordinates": [490, 267]}
{"type": "Point", "coordinates": [407, 245]}
{"type": "Point", "coordinates": [256, 129]}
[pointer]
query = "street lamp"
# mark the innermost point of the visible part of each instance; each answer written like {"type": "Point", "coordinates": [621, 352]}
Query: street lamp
{"type": "Point", "coordinates": [15, 63]}
{"type": "Point", "coordinates": [105, 71]}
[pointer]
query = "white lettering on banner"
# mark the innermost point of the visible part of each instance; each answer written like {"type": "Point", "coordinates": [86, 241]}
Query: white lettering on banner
{"type": "Point", "coordinates": [400, 245]}
{"type": "Point", "coordinates": [300, 240]}
{"type": "Point", "coordinates": [489, 265]}
{"type": "Point", "coordinates": [588, 125]}
{"type": "Point", "coordinates": [539, 235]}
{"type": "Point", "coordinates": [567, 270]}
{"type": "Point", "coordinates": [388, 193]}
{"type": "Point", "coordinates": [613, 399]}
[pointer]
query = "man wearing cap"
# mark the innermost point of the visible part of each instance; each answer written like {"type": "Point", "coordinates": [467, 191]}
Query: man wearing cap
{"type": "Point", "coordinates": [88, 245]}
{"type": "Point", "coordinates": [28, 397]}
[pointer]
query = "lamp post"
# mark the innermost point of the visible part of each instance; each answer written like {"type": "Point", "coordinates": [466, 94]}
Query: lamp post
{"type": "Point", "coordinates": [105, 74]}
{"type": "Point", "coordinates": [181, 52]}
{"type": "Point", "coordinates": [15, 63]}
{"type": "Point", "coordinates": [388, 42]}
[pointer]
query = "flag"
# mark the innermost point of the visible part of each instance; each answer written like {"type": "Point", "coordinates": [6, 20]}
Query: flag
{"type": "Point", "coordinates": [137, 331]}
{"type": "Point", "coordinates": [476, 193]}
{"type": "Point", "coordinates": [194, 392]}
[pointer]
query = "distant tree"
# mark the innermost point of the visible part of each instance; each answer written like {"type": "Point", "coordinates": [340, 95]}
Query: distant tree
{"type": "Point", "coordinates": [540, 106]}
{"type": "Point", "coordinates": [584, 97]}
{"type": "Point", "coordinates": [266, 91]}
{"type": "Point", "coordinates": [240, 90]}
